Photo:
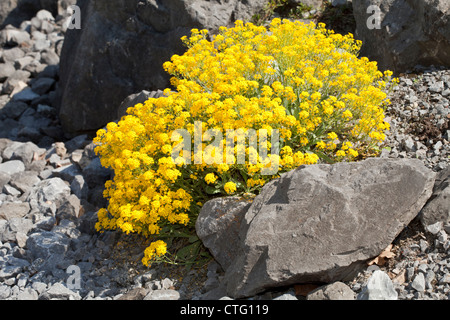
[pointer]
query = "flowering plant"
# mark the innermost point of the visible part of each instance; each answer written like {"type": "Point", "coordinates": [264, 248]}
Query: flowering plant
{"type": "Point", "coordinates": [299, 81]}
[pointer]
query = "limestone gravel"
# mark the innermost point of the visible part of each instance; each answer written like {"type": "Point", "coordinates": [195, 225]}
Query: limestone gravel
{"type": "Point", "coordinates": [49, 248]}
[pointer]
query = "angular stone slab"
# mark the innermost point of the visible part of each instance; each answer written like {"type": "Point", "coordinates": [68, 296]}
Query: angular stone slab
{"type": "Point", "coordinates": [437, 209]}
{"type": "Point", "coordinates": [320, 223]}
{"type": "Point", "coordinates": [218, 225]}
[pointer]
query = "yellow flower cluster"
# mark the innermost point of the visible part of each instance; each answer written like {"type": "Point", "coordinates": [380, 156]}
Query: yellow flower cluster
{"type": "Point", "coordinates": [299, 79]}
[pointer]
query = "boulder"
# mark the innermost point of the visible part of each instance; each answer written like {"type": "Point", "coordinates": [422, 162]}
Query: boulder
{"type": "Point", "coordinates": [121, 47]}
{"type": "Point", "coordinates": [321, 223]}
{"type": "Point", "coordinates": [218, 226]}
{"type": "Point", "coordinates": [411, 33]}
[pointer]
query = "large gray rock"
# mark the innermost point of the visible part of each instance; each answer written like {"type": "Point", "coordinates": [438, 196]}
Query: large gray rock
{"type": "Point", "coordinates": [218, 226]}
{"type": "Point", "coordinates": [121, 47]}
{"type": "Point", "coordinates": [320, 223]}
{"type": "Point", "coordinates": [411, 33]}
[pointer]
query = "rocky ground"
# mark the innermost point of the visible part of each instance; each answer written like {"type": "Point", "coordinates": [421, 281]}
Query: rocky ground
{"type": "Point", "coordinates": [51, 187]}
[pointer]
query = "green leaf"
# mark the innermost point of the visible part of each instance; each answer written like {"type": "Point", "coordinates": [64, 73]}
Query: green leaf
{"type": "Point", "coordinates": [212, 190]}
{"type": "Point", "coordinates": [324, 157]}
{"type": "Point", "coordinates": [193, 238]}
{"type": "Point", "coordinates": [189, 252]}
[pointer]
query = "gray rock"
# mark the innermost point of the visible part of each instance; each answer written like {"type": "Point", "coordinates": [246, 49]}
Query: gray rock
{"type": "Point", "coordinates": [287, 296]}
{"type": "Point", "coordinates": [135, 294]}
{"type": "Point", "coordinates": [95, 174]}
{"type": "Point", "coordinates": [14, 109]}
{"type": "Point", "coordinates": [333, 291]}
{"type": "Point", "coordinates": [14, 37]}
{"type": "Point", "coordinates": [9, 128]}
{"type": "Point", "coordinates": [79, 187]}
{"type": "Point", "coordinates": [6, 70]}
{"type": "Point", "coordinates": [149, 31]}
{"type": "Point", "coordinates": [5, 291]}
{"type": "Point", "coordinates": [47, 193]}
{"type": "Point", "coordinates": [12, 166]}
{"type": "Point", "coordinates": [436, 87]}
{"type": "Point", "coordinates": [136, 98]}
{"type": "Point", "coordinates": [404, 28]}
{"type": "Point", "coordinates": [58, 291]}
{"type": "Point", "coordinates": [4, 179]}
{"type": "Point", "coordinates": [51, 247]}
{"type": "Point", "coordinates": [28, 294]}
{"type": "Point", "coordinates": [437, 210]}
{"type": "Point", "coordinates": [20, 74]}
{"type": "Point", "coordinates": [218, 224]}
{"type": "Point", "coordinates": [9, 210]}
{"type": "Point", "coordinates": [69, 208]}
{"type": "Point", "coordinates": [378, 287]}
{"type": "Point", "coordinates": [23, 151]}
{"type": "Point", "coordinates": [49, 57]}
{"type": "Point", "coordinates": [67, 173]}
{"type": "Point", "coordinates": [8, 189]}
{"type": "Point", "coordinates": [163, 295]}
{"type": "Point", "coordinates": [315, 4]}
{"type": "Point", "coordinates": [77, 143]}
{"type": "Point", "coordinates": [45, 15]}
{"type": "Point", "coordinates": [9, 272]}
{"type": "Point", "coordinates": [13, 227]}
{"type": "Point", "coordinates": [41, 44]}
{"type": "Point", "coordinates": [26, 95]}
{"type": "Point", "coordinates": [419, 282]}
{"type": "Point", "coordinates": [13, 86]}
{"type": "Point", "coordinates": [37, 35]}
{"type": "Point", "coordinates": [13, 54]}
{"type": "Point", "coordinates": [333, 224]}
{"type": "Point", "coordinates": [42, 85]}
{"type": "Point", "coordinates": [24, 181]}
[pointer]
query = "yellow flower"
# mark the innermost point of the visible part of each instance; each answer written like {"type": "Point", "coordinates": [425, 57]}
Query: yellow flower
{"type": "Point", "coordinates": [347, 114]}
{"type": "Point", "coordinates": [298, 80]}
{"type": "Point", "coordinates": [210, 178]}
{"type": "Point", "coordinates": [230, 187]}
{"type": "Point", "coordinates": [340, 153]}
{"type": "Point", "coordinates": [320, 145]}
{"type": "Point", "coordinates": [332, 136]}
